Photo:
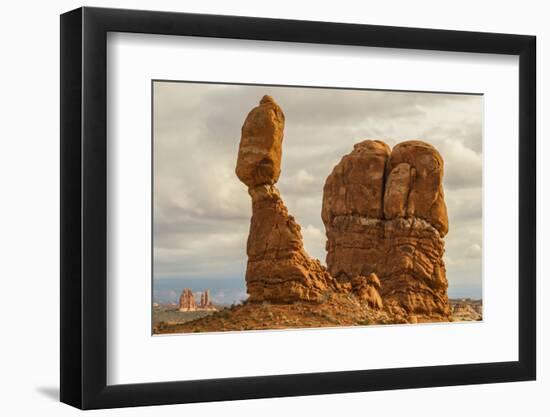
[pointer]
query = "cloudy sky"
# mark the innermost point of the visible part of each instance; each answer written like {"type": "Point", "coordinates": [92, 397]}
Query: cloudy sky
{"type": "Point", "coordinates": [202, 211]}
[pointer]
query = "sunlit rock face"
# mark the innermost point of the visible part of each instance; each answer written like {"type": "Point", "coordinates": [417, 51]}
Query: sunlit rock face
{"type": "Point", "coordinates": [385, 217]}
{"type": "Point", "coordinates": [384, 212]}
{"type": "Point", "coordinates": [261, 145]}
{"type": "Point", "coordinates": [278, 269]}
{"type": "Point", "coordinates": [366, 289]}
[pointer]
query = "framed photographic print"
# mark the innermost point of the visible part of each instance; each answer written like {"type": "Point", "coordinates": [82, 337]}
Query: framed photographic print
{"type": "Point", "coordinates": [258, 207]}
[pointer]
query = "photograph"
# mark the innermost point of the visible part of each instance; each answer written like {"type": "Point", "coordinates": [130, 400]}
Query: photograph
{"type": "Point", "coordinates": [268, 209]}
{"type": "Point", "coordinates": [292, 207]}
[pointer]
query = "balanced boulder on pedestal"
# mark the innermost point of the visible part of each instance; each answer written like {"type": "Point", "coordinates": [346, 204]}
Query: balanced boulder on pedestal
{"type": "Point", "coordinates": [279, 269]}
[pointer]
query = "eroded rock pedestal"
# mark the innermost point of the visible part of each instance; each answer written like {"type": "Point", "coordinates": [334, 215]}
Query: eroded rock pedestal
{"type": "Point", "coordinates": [278, 269]}
{"type": "Point", "coordinates": [385, 214]}
{"type": "Point", "coordinates": [385, 218]}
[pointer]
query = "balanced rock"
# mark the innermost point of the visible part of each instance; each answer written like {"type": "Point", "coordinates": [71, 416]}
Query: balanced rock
{"type": "Point", "coordinates": [187, 301]}
{"type": "Point", "coordinates": [278, 269]}
{"type": "Point", "coordinates": [397, 231]}
{"type": "Point", "coordinates": [260, 149]}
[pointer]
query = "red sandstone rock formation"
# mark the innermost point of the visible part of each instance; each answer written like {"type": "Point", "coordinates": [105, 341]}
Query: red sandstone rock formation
{"type": "Point", "coordinates": [187, 301]}
{"type": "Point", "coordinates": [260, 149]}
{"type": "Point", "coordinates": [366, 289]}
{"type": "Point", "coordinates": [384, 213]}
{"type": "Point", "coordinates": [278, 269]}
{"type": "Point", "coordinates": [205, 299]}
{"type": "Point", "coordinates": [385, 217]}
{"type": "Point", "coordinates": [206, 303]}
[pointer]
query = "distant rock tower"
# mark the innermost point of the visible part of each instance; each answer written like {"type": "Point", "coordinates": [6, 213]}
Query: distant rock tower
{"type": "Point", "coordinates": [206, 303]}
{"type": "Point", "coordinates": [187, 301]}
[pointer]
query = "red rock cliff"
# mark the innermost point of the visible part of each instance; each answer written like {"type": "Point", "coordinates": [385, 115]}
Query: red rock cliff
{"type": "Point", "coordinates": [384, 212]}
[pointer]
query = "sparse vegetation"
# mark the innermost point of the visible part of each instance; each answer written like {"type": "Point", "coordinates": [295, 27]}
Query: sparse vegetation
{"type": "Point", "coordinates": [337, 310]}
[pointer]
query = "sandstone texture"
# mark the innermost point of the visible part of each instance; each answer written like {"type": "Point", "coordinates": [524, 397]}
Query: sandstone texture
{"type": "Point", "coordinates": [384, 212]}
{"type": "Point", "coordinates": [356, 185]}
{"type": "Point", "coordinates": [260, 149]}
{"type": "Point", "coordinates": [278, 269]}
{"type": "Point", "coordinates": [366, 289]}
{"type": "Point", "coordinates": [415, 185]}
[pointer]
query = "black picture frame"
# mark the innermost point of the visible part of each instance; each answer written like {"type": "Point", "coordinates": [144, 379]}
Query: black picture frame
{"type": "Point", "coordinates": [84, 207]}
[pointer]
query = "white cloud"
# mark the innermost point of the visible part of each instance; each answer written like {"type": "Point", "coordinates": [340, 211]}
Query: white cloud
{"type": "Point", "coordinates": [314, 242]}
{"type": "Point", "coordinates": [473, 251]}
{"type": "Point", "coordinates": [463, 166]}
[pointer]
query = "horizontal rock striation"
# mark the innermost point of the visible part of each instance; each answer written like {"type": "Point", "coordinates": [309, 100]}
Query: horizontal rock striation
{"type": "Point", "coordinates": [278, 269]}
{"type": "Point", "coordinates": [385, 214]}
{"type": "Point", "coordinates": [366, 289]}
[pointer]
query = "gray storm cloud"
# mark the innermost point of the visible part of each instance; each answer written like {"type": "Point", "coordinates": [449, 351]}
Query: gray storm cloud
{"type": "Point", "coordinates": [202, 211]}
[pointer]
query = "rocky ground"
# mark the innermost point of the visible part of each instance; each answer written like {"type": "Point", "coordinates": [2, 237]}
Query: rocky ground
{"type": "Point", "coordinates": [466, 309]}
{"type": "Point", "coordinates": [338, 310]}
{"type": "Point", "coordinates": [171, 316]}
